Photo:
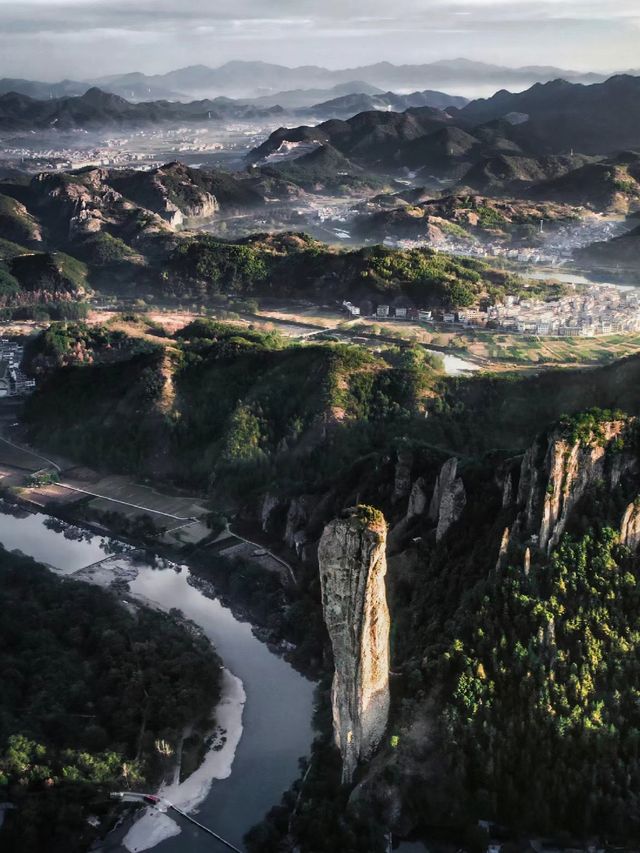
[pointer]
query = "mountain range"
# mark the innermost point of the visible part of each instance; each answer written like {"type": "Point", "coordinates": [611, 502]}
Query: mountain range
{"type": "Point", "coordinates": [97, 109]}
{"type": "Point", "coordinates": [556, 118]}
{"type": "Point", "coordinates": [304, 86]}
{"type": "Point", "coordinates": [349, 105]}
{"type": "Point", "coordinates": [251, 79]}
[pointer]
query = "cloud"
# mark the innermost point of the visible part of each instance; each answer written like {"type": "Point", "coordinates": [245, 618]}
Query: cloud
{"type": "Point", "coordinates": [61, 36]}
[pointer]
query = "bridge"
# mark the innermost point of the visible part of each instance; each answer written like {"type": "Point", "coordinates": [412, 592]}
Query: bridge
{"type": "Point", "coordinates": [164, 805]}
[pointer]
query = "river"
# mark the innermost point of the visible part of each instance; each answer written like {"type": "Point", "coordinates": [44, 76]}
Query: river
{"type": "Point", "coordinates": [276, 720]}
{"type": "Point", "coordinates": [575, 278]}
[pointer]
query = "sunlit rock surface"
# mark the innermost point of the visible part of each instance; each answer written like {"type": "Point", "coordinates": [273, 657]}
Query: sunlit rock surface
{"type": "Point", "coordinates": [353, 565]}
{"type": "Point", "coordinates": [448, 500]}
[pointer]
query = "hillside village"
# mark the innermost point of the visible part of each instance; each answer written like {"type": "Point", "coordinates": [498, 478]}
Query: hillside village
{"type": "Point", "coordinates": [13, 381]}
{"type": "Point", "coordinates": [601, 309]}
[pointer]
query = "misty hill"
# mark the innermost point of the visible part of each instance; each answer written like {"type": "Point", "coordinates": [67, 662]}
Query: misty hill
{"type": "Point", "coordinates": [506, 141]}
{"type": "Point", "coordinates": [101, 109]}
{"type": "Point", "coordinates": [253, 79]}
{"type": "Point", "coordinates": [372, 137]}
{"type": "Point", "coordinates": [620, 253]}
{"type": "Point", "coordinates": [461, 216]}
{"type": "Point", "coordinates": [137, 87]}
{"type": "Point", "coordinates": [322, 169]}
{"type": "Point", "coordinates": [294, 99]}
{"type": "Point", "coordinates": [349, 105]}
{"type": "Point", "coordinates": [562, 116]}
{"type": "Point", "coordinates": [610, 185]}
{"type": "Point", "coordinates": [42, 91]}
{"type": "Point", "coordinates": [514, 174]}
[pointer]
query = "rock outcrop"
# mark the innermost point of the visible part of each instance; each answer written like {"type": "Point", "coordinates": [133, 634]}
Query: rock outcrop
{"type": "Point", "coordinates": [418, 499]}
{"type": "Point", "coordinates": [630, 527]}
{"type": "Point", "coordinates": [272, 506]}
{"type": "Point", "coordinates": [448, 500]}
{"type": "Point", "coordinates": [298, 515]}
{"type": "Point", "coordinates": [504, 547]}
{"type": "Point", "coordinates": [557, 472]}
{"type": "Point", "coordinates": [402, 477]}
{"type": "Point", "coordinates": [353, 565]}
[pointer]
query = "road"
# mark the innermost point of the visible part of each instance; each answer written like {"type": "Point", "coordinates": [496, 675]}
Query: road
{"type": "Point", "coordinates": [189, 519]}
{"type": "Point", "coordinates": [33, 453]}
{"type": "Point", "coordinates": [266, 551]}
{"type": "Point", "coordinates": [181, 518]}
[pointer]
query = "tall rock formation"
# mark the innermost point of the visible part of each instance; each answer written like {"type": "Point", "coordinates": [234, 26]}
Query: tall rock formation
{"type": "Point", "coordinates": [630, 527]}
{"type": "Point", "coordinates": [558, 471]}
{"type": "Point", "coordinates": [402, 478]}
{"type": "Point", "coordinates": [449, 498]}
{"type": "Point", "coordinates": [418, 499]}
{"type": "Point", "coordinates": [353, 565]}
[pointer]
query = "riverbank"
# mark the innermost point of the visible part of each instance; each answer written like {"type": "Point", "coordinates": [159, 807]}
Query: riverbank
{"type": "Point", "coordinates": [268, 709]}
{"type": "Point", "coordinates": [152, 826]}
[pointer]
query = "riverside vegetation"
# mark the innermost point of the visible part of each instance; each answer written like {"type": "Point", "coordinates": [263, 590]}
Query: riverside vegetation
{"type": "Point", "coordinates": [89, 704]}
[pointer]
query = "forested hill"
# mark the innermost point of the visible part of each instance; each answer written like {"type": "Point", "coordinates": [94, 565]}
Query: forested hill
{"type": "Point", "coordinates": [71, 652]}
{"type": "Point", "coordinates": [513, 581]}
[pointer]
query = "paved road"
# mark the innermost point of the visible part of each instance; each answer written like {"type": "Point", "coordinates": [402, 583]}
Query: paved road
{"type": "Point", "coordinates": [267, 551]}
{"type": "Point", "coordinates": [190, 518]}
{"type": "Point", "coordinates": [182, 518]}
{"type": "Point", "coordinates": [32, 452]}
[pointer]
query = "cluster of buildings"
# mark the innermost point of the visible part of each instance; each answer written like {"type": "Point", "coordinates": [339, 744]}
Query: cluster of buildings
{"type": "Point", "coordinates": [62, 159]}
{"type": "Point", "coordinates": [599, 310]}
{"type": "Point", "coordinates": [401, 310]}
{"type": "Point", "coordinates": [13, 381]}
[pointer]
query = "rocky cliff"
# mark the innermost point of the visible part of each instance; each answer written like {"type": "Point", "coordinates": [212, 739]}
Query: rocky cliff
{"type": "Point", "coordinates": [448, 500]}
{"type": "Point", "coordinates": [353, 565]}
{"type": "Point", "coordinates": [561, 468]}
{"type": "Point", "coordinates": [630, 526]}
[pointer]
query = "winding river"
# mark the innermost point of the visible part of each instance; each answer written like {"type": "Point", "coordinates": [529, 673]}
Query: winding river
{"type": "Point", "coordinates": [276, 718]}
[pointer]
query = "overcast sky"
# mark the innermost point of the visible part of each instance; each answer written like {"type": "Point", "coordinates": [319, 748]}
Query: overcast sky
{"type": "Point", "coordinates": [82, 39]}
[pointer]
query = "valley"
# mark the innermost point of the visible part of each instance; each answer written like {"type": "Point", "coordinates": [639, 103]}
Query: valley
{"type": "Point", "coordinates": [322, 385]}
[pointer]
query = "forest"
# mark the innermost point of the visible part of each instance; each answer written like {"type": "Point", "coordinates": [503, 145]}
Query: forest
{"type": "Point", "coordinates": [249, 405]}
{"type": "Point", "coordinates": [94, 697]}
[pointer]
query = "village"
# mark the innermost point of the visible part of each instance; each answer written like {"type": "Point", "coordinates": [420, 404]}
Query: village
{"type": "Point", "coordinates": [600, 309]}
{"type": "Point", "coordinates": [13, 381]}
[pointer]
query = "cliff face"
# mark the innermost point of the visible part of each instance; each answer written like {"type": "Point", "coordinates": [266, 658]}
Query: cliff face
{"type": "Point", "coordinates": [449, 498]}
{"type": "Point", "coordinates": [353, 565]}
{"type": "Point", "coordinates": [630, 527]}
{"type": "Point", "coordinates": [557, 472]}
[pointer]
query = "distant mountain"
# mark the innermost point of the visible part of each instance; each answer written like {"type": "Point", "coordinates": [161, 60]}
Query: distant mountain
{"type": "Point", "coordinates": [42, 91]}
{"type": "Point", "coordinates": [266, 84]}
{"type": "Point", "coordinates": [495, 145]}
{"type": "Point", "coordinates": [254, 79]}
{"type": "Point", "coordinates": [139, 87]}
{"type": "Point", "coordinates": [561, 116]}
{"type": "Point", "coordinates": [611, 185]}
{"type": "Point", "coordinates": [101, 109]}
{"type": "Point", "coordinates": [514, 174]}
{"type": "Point", "coordinates": [295, 99]}
{"type": "Point", "coordinates": [321, 169]}
{"type": "Point", "coordinates": [349, 105]}
{"type": "Point", "coordinates": [374, 138]}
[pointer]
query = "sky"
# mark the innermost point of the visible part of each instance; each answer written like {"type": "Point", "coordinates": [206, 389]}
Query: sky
{"type": "Point", "coordinates": [84, 39]}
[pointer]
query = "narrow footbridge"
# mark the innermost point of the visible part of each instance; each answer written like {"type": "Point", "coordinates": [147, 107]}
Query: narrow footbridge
{"type": "Point", "coordinates": [165, 806]}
